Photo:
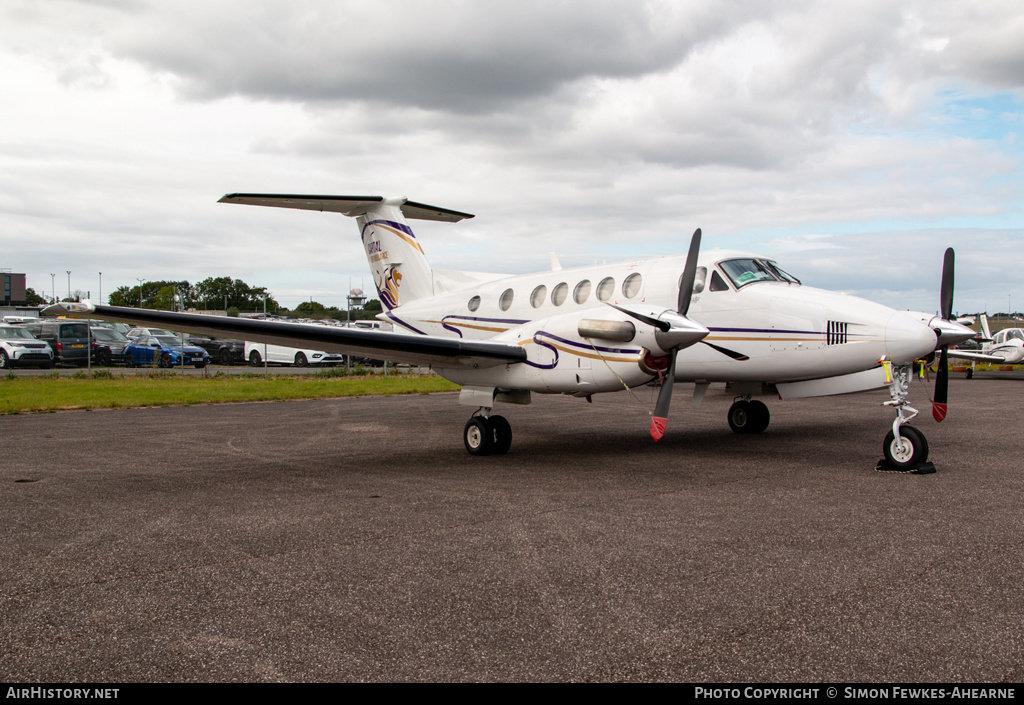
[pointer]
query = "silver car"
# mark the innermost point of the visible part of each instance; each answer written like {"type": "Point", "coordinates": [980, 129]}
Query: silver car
{"type": "Point", "coordinates": [19, 348]}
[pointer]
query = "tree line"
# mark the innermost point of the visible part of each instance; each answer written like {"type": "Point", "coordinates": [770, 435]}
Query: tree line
{"type": "Point", "coordinates": [224, 293]}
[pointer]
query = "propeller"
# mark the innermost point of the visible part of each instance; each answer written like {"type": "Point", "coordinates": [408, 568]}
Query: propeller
{"type": "Point", "coordinates": [946, 306]}
{"type": "Point", "coordinates": [659, 420]}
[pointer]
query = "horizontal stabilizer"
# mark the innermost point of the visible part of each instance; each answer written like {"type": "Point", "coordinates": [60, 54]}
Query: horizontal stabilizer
{"type": "Point", "coordinates": [346, 205]}
{"type": "Point", "coordinates": [383, 345]}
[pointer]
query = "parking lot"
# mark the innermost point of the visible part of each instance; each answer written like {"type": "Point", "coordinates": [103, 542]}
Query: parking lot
{"type": "Point", "coordinates": [356, 540]}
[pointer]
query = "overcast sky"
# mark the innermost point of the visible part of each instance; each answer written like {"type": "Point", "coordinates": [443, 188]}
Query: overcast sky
{"type": "Point", "coordinates": [854, 141]}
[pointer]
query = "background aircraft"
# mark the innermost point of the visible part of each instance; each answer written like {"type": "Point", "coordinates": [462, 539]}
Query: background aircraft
{"type": "Point", "coordinates": [720, 316]}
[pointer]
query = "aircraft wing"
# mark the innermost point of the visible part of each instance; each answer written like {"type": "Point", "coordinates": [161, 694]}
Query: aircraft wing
{"type": "Point", "coordinates": [975, 356]}
{"type": "Point", "coordinates": [383, 345]}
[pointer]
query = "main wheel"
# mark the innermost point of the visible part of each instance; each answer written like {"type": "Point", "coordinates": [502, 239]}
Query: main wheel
{"type": "Point", "coordinates": [479, 436]}
{"type": "Point", "coordinates": [502, 434]}
{"type": "Point", "coordinates": [254, 359]}
{"type": "Point", "coordinates": [760, 416]}
{"type": "Point", "coordinates": [743, 417]}
{"type": "Point", "coordinates": [909, 452]}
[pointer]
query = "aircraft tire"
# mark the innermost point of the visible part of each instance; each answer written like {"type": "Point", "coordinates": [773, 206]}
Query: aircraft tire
{"type": "Point", "coordinates": [907, 455]}
{"type": "Point", "coordinates": [502, 434]}
{"type": "Point", "coordinates": [479, 436]}
{"type": "Point", "coordinates": [761, 416]}
{"type": "Point", "coordinates": [743, 417]}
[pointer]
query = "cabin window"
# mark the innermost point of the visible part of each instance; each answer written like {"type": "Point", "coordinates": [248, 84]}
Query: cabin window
{"type": "Point", "coordinates": [505, 302]}
{"type": "Point", "coordinates": [538, 296]}
{"type": "Point", "coordinates": [474, 303]}
{"type": "Point", "coordinates": [631, 286]}
{"type": "Point", "coordinates": [717, 283]}
{"type": "Point", "coordinates": [606, 288]}
{"type": "Point", "coordinates": [559, 293]}
{"type": "Point", "coordinates": [700, 279]}
{"type": "Point", "coordinates": [581, 292]}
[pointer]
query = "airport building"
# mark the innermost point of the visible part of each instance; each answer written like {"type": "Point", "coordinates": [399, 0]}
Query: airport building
{"type": "Point", "coordinates": [14, 288]}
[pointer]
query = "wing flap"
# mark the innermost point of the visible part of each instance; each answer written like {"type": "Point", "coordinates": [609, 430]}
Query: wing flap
{"type": "Point", "coordinates": [384, 345]}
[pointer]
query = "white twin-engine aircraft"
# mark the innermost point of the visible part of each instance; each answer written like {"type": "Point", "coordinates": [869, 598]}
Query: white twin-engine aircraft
{"type": "Point", "coordinates": [706, 317]}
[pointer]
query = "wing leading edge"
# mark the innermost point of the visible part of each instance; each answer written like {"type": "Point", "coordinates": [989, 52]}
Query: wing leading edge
{"type": "Point", "coordinates": [396, 347]}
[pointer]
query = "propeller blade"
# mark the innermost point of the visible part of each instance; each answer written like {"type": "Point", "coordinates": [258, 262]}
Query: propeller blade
{"type": "Point", "coordinates": [941, 388]}
{"type": "Point", "coordinates": [659, 421]}
{"type": "Point", "coordinates": [689, 274]}
{"type": "Point", "coordinates": [946, 292]}
{"type": "Point", "coordinates": [726, 351]}
{"type": "Point", "coordinates": [663, 326]}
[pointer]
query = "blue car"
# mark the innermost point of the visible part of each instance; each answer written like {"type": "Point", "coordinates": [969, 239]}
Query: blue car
{"type": "Point", "coordinates": [165, 351]}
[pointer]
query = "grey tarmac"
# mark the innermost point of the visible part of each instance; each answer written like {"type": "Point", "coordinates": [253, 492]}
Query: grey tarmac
{"type": "Point", "coordinates": [356, 540]}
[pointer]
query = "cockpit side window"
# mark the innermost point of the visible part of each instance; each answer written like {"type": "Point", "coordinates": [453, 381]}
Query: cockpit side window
{"type": "Point", "coordinates": [717, 283]}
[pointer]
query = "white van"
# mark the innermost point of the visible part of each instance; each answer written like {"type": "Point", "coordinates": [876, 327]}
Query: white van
{"type": "Point", "coordinates": [281, 355]}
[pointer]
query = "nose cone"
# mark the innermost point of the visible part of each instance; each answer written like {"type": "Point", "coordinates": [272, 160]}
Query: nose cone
{"type": "Point", "coordinates": [907, 339]}
{"type": "Point", "coordinates": [951, 332]}
{"type": "Point", "coordinates": [682, 333]}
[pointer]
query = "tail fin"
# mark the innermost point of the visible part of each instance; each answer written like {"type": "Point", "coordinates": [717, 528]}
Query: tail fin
{"type": "Point", "coordinates": [399, 267]}
{"type": "Point", "coordinates": [984, 326]}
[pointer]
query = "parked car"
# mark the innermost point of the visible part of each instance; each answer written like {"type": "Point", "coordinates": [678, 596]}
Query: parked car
{"type": "Point", "coordinates": [19, 348]}
{"type": "Point", "coordinates": [226, 351]}
{"type": "Point", "coordinates": [165, 351]}
{"type": "Point", "coordinates": [69, 340]}
{"type": "Point", "coordinates": [121, 328]}
{"type": "Point", "coordinates": [108, 346]}
{"type": "Point", "coordinates": [281, 355]}
{"type": "Point", "coordinates": [137, 331]}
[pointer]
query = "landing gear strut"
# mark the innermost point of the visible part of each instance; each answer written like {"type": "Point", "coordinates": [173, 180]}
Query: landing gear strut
{"type": "Point", "coordinates": [905, 448]}
{"type": "Point", "coordinates": [746, 416]}
{"type": "Point", "coordinates": [487, 435]}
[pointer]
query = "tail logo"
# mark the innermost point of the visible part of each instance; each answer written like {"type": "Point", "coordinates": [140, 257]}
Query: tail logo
{"type": "Point", "coordinates": [387, 283]}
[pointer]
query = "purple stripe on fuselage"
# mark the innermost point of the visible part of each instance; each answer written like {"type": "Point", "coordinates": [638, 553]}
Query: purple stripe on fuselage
{"type": "Point", "coordinates": [402, 323]}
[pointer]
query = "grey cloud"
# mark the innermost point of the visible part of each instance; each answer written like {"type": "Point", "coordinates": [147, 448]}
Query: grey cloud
{"type": "Point", "coordinates": [451, 56]}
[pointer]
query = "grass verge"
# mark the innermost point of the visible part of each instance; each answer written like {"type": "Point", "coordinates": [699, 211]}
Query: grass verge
{"type": "Point", "coordinates": [106, 391]}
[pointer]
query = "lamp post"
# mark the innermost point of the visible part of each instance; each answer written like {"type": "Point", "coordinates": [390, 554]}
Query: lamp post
{"type": "Point", "coordinates": [69, 284]}
{"type": "Point", "coordinates": [140, 290]}
{"type": "Point", "coordinates": [53, 287]}
{"type": "Point", "coordinates": [101, 288]}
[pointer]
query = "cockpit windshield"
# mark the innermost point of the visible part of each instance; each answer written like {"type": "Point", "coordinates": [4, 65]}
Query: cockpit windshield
{"type": "Point", "coordinates": [745, 271]}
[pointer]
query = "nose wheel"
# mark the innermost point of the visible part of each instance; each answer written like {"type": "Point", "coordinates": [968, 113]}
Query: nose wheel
{"type": "Point", "coordinates": [487, 435]}
{"type": "Point", "coordinates": [905, 449]}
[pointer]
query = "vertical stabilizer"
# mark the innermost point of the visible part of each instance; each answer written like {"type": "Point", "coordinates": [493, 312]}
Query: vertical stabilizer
{"type": "Point", "coordinates": [399, 267]}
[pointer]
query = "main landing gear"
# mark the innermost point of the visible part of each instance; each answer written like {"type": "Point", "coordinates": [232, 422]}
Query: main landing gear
{"type": "Point", "coordinates": [487, 435]}
{"type": "Point", "coordinates": [748, 416]}
{"type": "Point", "coordinates": [905, 448]}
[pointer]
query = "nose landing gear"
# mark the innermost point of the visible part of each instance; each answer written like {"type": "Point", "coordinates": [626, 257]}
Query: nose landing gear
{"type": "Point", "coordinates": [905, 449]}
